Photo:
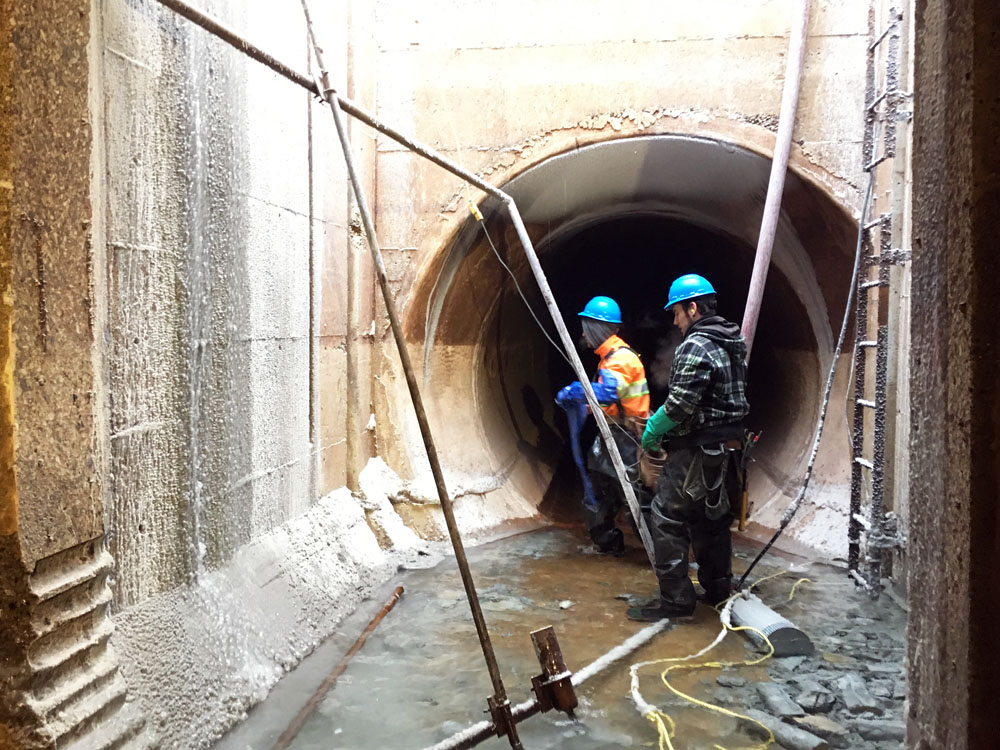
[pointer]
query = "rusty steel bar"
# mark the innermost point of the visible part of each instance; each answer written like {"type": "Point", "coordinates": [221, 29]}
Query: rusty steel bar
{"type": "Point", "coordinates": [581, 373]}
{"type": "Point", "coordinates": [296, 724]}
{"type": "Point", "coordinates": [499, 704]}
{"type": "Point", "coordinates": [473, 735]}
{"type": "Point", "coordinates": [779, 167]}
{"type": "Point", "coordinates": [228, 35]}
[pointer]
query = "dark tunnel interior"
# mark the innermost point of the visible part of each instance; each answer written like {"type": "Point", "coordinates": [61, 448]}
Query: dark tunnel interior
{"type": "Point", "coordinates": [633, 258]}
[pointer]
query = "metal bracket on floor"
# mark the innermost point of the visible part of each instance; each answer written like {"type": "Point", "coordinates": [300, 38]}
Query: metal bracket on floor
{"type": "Point", "coordinates": [500, 713]}
{"type": "Point", "coordinates": [554, 686]}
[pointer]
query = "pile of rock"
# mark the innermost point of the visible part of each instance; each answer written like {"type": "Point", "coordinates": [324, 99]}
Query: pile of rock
{"type": "Point", "coordinates": [823, 701]}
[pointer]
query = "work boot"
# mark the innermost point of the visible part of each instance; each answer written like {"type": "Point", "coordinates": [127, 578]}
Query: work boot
{"type": "Point", "coordinates": [615, 550]}
{"type": "Point", "coordinates": [659, 612]}
{"type": "Point", "coordinates": [612, 543]}
{"type": "Point", "coordinates": [714, 598]}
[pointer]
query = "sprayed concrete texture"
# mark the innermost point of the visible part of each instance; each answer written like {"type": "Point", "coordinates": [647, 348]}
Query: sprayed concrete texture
{"type": "Point", "coordinates": [954, 552]}
{"type": "Point", "coordinates": [198, 657]}
{"type": "Point", "coordinates": [209, 297]}
{"type": "Point", "coordinates": [420, 677]}
{"type": "Point", "coordinates": [226, 228]}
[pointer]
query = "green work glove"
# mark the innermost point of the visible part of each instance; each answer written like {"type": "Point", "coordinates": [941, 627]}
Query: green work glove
{"type": "Point", "coordinates": [658, 425]}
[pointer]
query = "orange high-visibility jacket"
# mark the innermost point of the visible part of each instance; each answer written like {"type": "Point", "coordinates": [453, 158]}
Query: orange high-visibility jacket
{"type": "Point", "coordinates": [633, 390]}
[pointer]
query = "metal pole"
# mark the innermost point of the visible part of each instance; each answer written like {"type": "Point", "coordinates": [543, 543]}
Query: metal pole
{"type": "Point", "coordinates": [473, 735]}
{"type": "Point", "coordinates": [779, 167]}
{"type": "Point", "coordinates": [501, 705]}
{"type": "Point", "coordinates": [228, 35]}
{"type": "Point", "coordinates": [581, 373]}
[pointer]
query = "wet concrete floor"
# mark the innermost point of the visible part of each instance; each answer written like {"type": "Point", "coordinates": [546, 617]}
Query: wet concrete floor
{"type": "Point", "coordinates": [421, 675]}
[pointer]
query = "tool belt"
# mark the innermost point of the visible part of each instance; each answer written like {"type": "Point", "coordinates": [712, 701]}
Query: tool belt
{"type": "Point", "coordinates": [722, 433]}
{"type": "Point", "coordinates": [706, 477]}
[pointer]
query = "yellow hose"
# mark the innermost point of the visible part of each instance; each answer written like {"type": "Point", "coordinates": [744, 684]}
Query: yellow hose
{"type": "Point", "coordinates": [666, 727]}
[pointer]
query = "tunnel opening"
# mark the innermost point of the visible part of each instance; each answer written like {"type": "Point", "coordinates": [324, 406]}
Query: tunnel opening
{"type": "Point", "coordinates": [624, 218]}
{"type": "Point", "coordinates": [632, 258]}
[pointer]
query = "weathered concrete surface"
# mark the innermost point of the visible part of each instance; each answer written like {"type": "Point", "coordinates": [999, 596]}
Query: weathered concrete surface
{"type": "Point", "coordinates": [58, 451]}
{"type": "Point", "coordinates": [954, 468]}
{"type": "Point", "coordinates": [504, 100]}
{"type": "Point", "coordinates": [222, 644]}
{"type": "Point", "coordinates": [62, 686]}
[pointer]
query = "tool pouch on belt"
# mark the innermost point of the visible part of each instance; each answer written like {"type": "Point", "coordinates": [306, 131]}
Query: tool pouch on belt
{"type": "Point", "coordinates": [706, 479]}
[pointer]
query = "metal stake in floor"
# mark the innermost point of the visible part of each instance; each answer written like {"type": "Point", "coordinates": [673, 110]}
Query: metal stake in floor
{"type": "Point", "coordinates": [498, 703]}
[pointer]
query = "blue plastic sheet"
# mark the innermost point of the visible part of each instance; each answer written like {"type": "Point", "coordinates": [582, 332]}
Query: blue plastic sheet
{"type": "Point", "coordinates": [576, 415]}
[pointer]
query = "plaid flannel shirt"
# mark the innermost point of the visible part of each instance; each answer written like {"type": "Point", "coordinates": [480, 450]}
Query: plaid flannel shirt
{"type": "Point", "coordinates": [707, 384]}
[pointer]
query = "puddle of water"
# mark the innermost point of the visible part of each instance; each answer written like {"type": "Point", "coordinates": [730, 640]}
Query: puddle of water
{"type": "Point", "coordinates": [421, 675]}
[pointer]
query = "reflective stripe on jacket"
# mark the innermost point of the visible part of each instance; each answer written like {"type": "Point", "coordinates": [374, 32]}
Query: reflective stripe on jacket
{"type": "Point", "coordinates": [629, 374]}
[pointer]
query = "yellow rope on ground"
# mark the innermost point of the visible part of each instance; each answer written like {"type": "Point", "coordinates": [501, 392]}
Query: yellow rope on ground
{"type": "Point", "coordinates": [665, 725]}
{"type": "Point", "coordinates": [720, 665]}
{"type": "Point", "coordinates": [658, 718]}
{"type": "Point", "coordinates": [796, 585]}
{"type": "Point", "coordinates": [666, 728]}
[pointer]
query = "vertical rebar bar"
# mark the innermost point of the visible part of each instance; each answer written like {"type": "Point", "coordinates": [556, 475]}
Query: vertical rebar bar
{"type": "Point", "coordinates": [501, 704]}
{"type": "Point", "coordinates": [876, 514]}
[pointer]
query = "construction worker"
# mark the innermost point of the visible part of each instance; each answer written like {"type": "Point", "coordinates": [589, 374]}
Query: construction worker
{"type": "Point", "coordinates": [623, 393]}
{"type": "Point", "coordinates": [701, 426]}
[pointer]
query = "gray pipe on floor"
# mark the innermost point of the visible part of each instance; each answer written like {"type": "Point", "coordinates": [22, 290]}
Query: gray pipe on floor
{"type": "Point", "coordinates": [749, 611]}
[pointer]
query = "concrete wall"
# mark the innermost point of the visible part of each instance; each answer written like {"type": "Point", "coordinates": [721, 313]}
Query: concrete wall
{"type": "Point", "coordinates": [955, 417]}
{"type": "Point", "coordinates": [195, 372]}
{"type": "Point", "coordinates": [173, 260]}
{"type": "Point", "coordinates": [59, 675]}
{"type": "Point", "coordinates": [228, 357]}
{"type": "Point", "coordinates": [221, 246]}
{"type": "Point", "coordinates": [499, 92]}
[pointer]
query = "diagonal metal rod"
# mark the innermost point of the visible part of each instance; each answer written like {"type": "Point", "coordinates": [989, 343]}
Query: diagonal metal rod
{"type": "Point", "coordinates": [223, 32]}
{"type": "Point", "coordinates": [500, 705]}
{"type": "Point", "coordinates": [500, 702]}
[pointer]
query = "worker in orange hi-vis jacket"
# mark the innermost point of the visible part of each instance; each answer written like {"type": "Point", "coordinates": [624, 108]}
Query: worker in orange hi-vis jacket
{"type": "Point", "coordinates": [623, 393]}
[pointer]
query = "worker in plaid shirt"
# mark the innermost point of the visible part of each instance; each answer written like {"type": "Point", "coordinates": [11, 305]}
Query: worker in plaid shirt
{"type": "Point", "coordinates": [701, 426]}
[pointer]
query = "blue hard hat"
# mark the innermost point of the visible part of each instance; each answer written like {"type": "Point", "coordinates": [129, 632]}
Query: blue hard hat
{"type": "Point", "coordinates": [687, 287]}
{"type": "Point", "coordinates": [602, 308]}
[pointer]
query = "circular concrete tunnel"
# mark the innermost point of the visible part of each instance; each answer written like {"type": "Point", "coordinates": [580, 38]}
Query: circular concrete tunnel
{"type": "Point", "coordinates": [623, 218]}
